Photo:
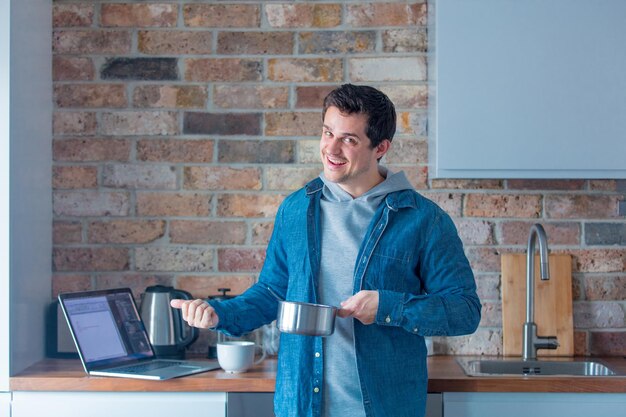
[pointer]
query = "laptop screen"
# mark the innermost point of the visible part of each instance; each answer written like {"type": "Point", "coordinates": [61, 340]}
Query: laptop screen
{"type": "Point", "coordinates": [106, 327]}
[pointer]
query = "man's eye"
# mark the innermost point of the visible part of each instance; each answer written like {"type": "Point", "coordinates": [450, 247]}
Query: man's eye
{"type": "Point", "coordinates": [349, 140]}
{"type": "Point", "coordinates": [327, 133]}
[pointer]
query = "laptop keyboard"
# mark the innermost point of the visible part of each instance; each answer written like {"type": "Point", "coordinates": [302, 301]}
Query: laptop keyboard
{"type": "Point", "coordinates": [145, 367]}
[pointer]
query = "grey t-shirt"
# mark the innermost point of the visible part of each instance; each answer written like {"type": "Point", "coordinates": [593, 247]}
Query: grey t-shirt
{"type": "Point", "coordinates": [344, 221]}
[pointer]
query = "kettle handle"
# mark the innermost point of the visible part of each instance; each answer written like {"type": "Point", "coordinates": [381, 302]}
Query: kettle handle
{"type": "Point", "coordinates": [185, 334]}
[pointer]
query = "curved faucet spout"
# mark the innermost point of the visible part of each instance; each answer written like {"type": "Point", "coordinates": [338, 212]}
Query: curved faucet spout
{"type": "Point", "coordinates": [537, 232]}
{"type": "Point", "coordinates": [530, 341]}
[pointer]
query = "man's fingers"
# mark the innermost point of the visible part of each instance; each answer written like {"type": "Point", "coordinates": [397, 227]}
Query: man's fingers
{"type": "Point", "coordinates": [350, 303]}
{"type": "Point", "coordinates": [182, 305]}
{"type": "Point", "coordinates": [362, 306]}
{"type": "Point", "coordinates": [197, 313]}
{"type": "Point", "coordinates": [190, 309]}
{"type": "Point", "coordinates": [207, 319]}
{"type": "Point", "coordinates": [200, 311]}
{"type": "Point", "coordinates": [187, 308]}
{"type": "Point", "coordinates": [347, 308]}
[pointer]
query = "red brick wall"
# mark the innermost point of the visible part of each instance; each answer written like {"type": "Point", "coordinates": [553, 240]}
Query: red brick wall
{"type": "Point", "coordinates": [179, 127]}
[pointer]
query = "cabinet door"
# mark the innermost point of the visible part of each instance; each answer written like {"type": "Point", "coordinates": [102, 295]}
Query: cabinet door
{"type": "Point", "coordinates": [5, 404]}
{"type": "Point", "coordinates": [434, 405]}
{"type": "Point", "coordinates": [459, 404]}
{"type": "Point", "coordinates": [527, 89]}
{"type": "Point", "coordinates": [118, 404]}
{"type": "Point", "coordinates": [250, 404]}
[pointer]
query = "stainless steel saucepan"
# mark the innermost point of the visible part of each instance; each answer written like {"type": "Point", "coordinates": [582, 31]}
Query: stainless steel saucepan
{"type": "Point", "coordinates": [305, 318]}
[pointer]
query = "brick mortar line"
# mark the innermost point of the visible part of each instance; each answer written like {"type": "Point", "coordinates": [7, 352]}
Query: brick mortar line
{"type": "Point", "coordinates": [276, 165]}
{"type": "Point", "coordinates": [517, 192]}
{"type": "Point", "coordinates": [160, 243]}
{"type": "Point", "coordinates": [107, 219]}
{"type": "Point", "coordinates": [262, 83]}
{"type": "Point", "coordinates": [207, 110]}
{"type": "Point", "coordinates": [260, 56]}
{"type": "Point", "coordinates": [264, 29]}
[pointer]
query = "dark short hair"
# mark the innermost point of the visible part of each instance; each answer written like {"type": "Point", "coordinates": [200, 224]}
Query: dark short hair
{"type": "Point", "coordinates": [362, 99]}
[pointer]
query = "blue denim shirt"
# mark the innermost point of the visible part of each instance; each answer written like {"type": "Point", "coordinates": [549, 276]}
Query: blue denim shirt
{"type": "Point", "coordinates": [411, 255]}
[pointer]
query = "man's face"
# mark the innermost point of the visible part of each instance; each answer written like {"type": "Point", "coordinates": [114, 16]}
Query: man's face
{"type": "Point", "coordinates": [346, 152]}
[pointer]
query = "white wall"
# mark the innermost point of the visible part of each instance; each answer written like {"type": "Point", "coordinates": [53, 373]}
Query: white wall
{"type": "Point", "coordinates": [4, 194]}
{"type": "Point", "coordinates": [30, 179]}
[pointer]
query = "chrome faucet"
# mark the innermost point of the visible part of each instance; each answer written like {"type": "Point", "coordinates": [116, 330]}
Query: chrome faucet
{"type": "Point", "coordinates": [530, 341]}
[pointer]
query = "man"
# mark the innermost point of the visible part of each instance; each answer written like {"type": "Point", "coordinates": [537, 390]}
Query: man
{"type": "Point", "coordinates": [360, 237]}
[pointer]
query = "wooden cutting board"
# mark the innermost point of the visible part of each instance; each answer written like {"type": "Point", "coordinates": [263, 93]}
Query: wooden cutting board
{"type": "Point", "coordinates": [553, 303]}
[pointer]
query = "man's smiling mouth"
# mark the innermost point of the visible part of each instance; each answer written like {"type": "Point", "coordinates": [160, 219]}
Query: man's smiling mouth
{"type": "Point", "coordinates": [335, 161]}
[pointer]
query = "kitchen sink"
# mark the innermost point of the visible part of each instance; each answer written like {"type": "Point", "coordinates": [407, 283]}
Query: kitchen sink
{"type": "Point", "coordinates": [515, 366]}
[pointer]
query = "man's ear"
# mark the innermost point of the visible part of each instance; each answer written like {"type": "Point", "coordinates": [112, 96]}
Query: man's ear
{"type": "Point", "coordinates": [382, 148]}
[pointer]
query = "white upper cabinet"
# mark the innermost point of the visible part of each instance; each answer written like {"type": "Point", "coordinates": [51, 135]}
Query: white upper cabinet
{"type": "Point", "coordinates": [5, 221]}
{"type": "Point", "coordinates": [527, 89]}
{"type": "Point", "coordinates": [25, 182]}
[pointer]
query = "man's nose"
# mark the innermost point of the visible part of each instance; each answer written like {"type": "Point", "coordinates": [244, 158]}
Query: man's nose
{"type": "Point", "coordinates": [333, 146]}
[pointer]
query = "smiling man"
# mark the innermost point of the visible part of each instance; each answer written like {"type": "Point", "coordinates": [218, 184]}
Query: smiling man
{"type": "Point", "coordinates": [350, 158]}
{"type": "Point", "coordinates": [360, 237]}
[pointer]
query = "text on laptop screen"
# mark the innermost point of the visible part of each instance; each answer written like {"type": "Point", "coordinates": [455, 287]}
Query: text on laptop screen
{"type": "Point", "coordinates": [110, 318]}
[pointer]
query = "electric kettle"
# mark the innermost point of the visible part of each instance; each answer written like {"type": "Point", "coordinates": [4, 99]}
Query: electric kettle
{"type": "Point", "coordinates": [169, 333]}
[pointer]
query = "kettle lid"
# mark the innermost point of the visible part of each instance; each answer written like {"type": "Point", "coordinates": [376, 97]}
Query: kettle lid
{"type": "Point", "coordinates": [222, 296]}
{"type": "Point", "coordinates": [159, 288]}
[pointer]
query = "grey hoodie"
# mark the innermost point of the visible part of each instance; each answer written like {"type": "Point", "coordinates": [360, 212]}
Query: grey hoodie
{"type": "Point", "coordinates": [344, 221]}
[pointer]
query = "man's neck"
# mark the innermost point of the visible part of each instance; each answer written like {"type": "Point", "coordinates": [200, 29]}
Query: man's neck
{"type": "Point", "coordinates": [358, 191]}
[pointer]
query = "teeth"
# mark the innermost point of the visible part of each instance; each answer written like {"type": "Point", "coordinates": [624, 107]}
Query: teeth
{"type": "Point", "coordinates": [335, 161]}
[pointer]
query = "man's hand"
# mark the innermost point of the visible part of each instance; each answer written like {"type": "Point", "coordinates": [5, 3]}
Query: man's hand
{"type": "Point", "coordinates": [362, 306]}
{"type": "Point", "coordinates": [197, 313]}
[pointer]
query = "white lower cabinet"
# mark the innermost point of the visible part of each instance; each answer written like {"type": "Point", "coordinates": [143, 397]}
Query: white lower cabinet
{"type": "Point", "coordinates": [5, 404]}
{"type": "Point", "coordinates": [458, 404]}
{"type": "Point", "coordinates": [214, 404]}
{"type": "Point", "coordinates": [117, 404]}
{"type": "Point", "coordinates": [154, 404]}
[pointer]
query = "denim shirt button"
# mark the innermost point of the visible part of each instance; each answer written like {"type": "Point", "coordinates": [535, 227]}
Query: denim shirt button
{"type": "Point", "coordinates": [415, 330]}
{"type": "Point", "coordinates": [387, 319]}
{"type": "Point", "coordinates": [316, 390]}
{"type": "Point", "coordinates": [317, 354]}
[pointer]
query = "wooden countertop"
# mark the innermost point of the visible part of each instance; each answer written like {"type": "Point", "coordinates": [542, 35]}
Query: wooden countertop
{"type": "Point", "coordinates": [445, 375]}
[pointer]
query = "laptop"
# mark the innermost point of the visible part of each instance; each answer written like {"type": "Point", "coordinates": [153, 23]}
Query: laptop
{"type": "Point", "coordinates": [112, 340]}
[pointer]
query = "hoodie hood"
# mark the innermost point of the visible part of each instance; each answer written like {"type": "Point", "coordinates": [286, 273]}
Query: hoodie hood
{"type": "Point", "coordinates": [393, 182]}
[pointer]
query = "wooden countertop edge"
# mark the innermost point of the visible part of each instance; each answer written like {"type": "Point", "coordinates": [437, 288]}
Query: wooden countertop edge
{"type": "Point", "coordinates": [68, 375]}
{"type": "Point", "coordinates": [530, 384]}
{"type": "Point", "coordinates": [445, 375]}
